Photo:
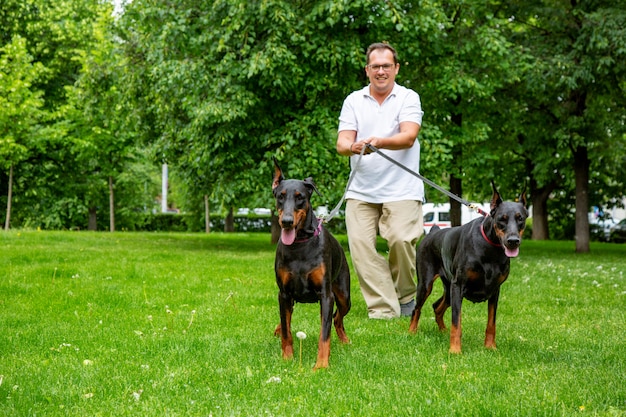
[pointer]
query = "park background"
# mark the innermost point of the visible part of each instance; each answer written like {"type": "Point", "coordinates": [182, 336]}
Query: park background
{"type": "Point", "coordinates": [96, 101]}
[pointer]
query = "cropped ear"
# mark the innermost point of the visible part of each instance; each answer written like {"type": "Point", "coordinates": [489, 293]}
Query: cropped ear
{"type": "Point", "coordinates": [278, 175]}
{"type": "Point", "coordinates": [496, 200]}
{"type": "Point", "coordinates": [310, 185]}
{"type": "Point", "coordinates": [522, 196]}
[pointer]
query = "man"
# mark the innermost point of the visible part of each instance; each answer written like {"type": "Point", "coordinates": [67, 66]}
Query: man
{"type": "Point", "coordinates": [383, 198]}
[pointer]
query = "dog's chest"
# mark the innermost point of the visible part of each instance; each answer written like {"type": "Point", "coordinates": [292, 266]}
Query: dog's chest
{"type": "Point", "coordinates": [303, 275]}
{"type": "Point", "coordinates": [482, 280]}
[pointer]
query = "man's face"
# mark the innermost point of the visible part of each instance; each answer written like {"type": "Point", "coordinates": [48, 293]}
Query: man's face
{"type": "Point", "coordinates": [381, 70]}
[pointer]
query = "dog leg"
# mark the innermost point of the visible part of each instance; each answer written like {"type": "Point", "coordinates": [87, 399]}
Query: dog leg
{"type": "Point", "coordinates": [284, 328]}
{"type": "Point", "coordinates": [456, 299]}
{"type": "Point", "coordinates": [490, 333]}
{"type": "Point", "coordinates": [424, 288]}
{"type": "Point", "coordinates": [323, 348]}
{"type": "Point", "coordinates": [342, 310]}
{"type": "Point", "coordinates": [440, 307]}
{"type": "Point", "coordinates": [342, 300]}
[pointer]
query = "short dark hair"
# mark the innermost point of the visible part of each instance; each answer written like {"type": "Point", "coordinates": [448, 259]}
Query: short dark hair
{"type": "Point", "coordinates": [381, 45]}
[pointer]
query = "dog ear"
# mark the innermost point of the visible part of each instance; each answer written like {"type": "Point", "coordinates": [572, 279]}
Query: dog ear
{"type": "Point", "coordinates": [278, 174]}
{"type": "Point", "coordinates": [311, 186]}
{"type": "Point", "coordinates": [522, 196]}
{"type": "Point", "coordinates": [496, 200]}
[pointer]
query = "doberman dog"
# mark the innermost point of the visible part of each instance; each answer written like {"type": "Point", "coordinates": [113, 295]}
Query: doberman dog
{"type": "Point", "coordinates": [472, 261]}
{"type": "Point", "coordinates": [310, 265]}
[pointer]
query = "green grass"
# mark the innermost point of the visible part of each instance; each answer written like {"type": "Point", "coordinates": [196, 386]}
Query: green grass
{"type": "Point", "coordinates": [97, 324]}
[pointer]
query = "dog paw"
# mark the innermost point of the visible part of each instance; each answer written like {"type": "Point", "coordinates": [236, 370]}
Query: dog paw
{"type": "Point", "coordinates": [455, 350]}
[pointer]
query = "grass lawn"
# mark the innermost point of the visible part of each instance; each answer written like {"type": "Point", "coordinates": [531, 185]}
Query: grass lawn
{"type": "Point", "coordinates": [129, 324]}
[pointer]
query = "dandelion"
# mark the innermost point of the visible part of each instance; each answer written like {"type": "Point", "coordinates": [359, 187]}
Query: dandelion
{"type": "Point", "coordinates": [170, 315]}
{"type": "Point", "coordinates": [137, 394]}
{"type": "Point", "coordinates": [273, 380]}
{"type": "Point", "coordinates": [193, 313]}
{"type": "Point", "coordinates": [301, 336]}
{"type": "Point", "coordinates": [150, 321]}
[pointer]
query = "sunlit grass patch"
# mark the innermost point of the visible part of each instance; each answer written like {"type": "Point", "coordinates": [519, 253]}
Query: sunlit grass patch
{"type": "Point", "coordinates": [176, 324]}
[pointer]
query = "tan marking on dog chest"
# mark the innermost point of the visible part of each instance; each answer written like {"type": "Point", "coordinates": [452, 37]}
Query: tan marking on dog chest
{"type": "Point", "coordinates": [285, 276]}
{"type": "Point", "coordinates": [317, 275]}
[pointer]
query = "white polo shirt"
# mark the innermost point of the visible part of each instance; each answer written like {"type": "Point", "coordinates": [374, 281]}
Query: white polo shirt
{"type": "Point", "coordinates": [376, 179]}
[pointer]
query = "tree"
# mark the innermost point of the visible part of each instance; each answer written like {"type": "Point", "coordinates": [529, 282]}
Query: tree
{"type": "Point", "coordinates": [21, 109]}
{"type": "Point", "coordinates": [57, 34]}
{"type": "Point", "coordinates": [95, 114]}
{"type": "Point", "coordinates": [466, 65]}
{"type": "Point", "coordinates": [579, 81]}
{"type": "Point", "coordinates": [228, 84]}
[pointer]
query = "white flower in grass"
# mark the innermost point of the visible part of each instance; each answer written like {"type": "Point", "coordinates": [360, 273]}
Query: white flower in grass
{"type": "Point", "coordinates": [273, 379]}
{"type": "Point", "coordinates": [87, 362]}
{"type": "Point", "coordinates": [137, 395]}
{"type": "Point", "coordinates": [301, 336]}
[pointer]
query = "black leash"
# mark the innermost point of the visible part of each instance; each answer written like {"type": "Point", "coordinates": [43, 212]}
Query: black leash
{"type": "Point", "coordinates": [421, 177]}
{"type": "Point", "coordinates": [429, 182]}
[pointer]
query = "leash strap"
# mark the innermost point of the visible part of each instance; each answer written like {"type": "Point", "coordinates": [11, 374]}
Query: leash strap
{"type": "Point", "coordinates": [429, 182]}
{"type": "Point", "coordinates": [334, 211]}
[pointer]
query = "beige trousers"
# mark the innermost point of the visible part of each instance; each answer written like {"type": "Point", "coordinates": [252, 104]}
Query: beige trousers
{"type": "Point", "coordinates": [385, 282]}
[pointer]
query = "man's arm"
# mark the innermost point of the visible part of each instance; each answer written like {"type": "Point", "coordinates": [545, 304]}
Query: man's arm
{"type": "Point", "coordinates": [346, 142]}
{"type": "Point", "coordinates": [404, 139]}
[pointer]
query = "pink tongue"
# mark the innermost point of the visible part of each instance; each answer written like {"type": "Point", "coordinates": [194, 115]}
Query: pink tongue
{"type": "Point", "coordinates": [511, 253]}
{"type": "Point", "coordinates": [288, 236]}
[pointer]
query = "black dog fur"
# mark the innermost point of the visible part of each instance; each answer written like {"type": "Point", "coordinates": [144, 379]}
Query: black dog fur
{"type": "Point", "coordinates": [310, 265]}
{"type": "Point", "coordinates": [472, 261]}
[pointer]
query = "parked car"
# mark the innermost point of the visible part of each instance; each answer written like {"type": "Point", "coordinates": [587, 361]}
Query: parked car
{"type": "Point", "coordinates": [600, 229]}
{"type": "Point", "coordinates": [439, 214]}
{"type": "Point", "coordinates": [618, 232]}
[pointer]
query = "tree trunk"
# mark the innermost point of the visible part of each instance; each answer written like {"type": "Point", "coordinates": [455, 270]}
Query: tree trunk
{"type": "Point", "coordinates": [111, 206]}
{"type": "Point", "coordinates": [93, 219]}
{"type": "Point", "coordinates": [229, 222]}
{"type": "Point", "coordinates": [539, 201]}
{"type": "Point", "coordinates": [456, 187]}
{"type": "Point", "coordinates": [7, 221]}
{"type": "Point", "coordinates": [456, 184]}
{"type": "Point", "coordinates": [581, 172]}
{"type": "Point", "coordinates": [207, 220]}
{"type": "Point", "coordinates": [275, 229]}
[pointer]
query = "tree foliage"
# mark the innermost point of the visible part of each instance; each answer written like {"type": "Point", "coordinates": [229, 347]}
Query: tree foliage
{"type": "Point", "coordinates": [570, 97]}
{"type": "Point", "coordinates": [513, 92]}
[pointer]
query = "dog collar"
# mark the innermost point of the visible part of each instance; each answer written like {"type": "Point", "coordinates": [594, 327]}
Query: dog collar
{"type": "Point", "coordinates": [482, 231]}
{"type": "Point", "coordinates": [317, 232]}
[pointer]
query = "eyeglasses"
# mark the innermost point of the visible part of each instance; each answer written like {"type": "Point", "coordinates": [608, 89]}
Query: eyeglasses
{"type": "Point", "coordinates": [385, 67]}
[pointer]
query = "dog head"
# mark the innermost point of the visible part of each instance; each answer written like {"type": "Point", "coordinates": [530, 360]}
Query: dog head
{"type": "Point", "coordinates": [509, 221]}
{"type": "Point", "coordinates": [293, 203]}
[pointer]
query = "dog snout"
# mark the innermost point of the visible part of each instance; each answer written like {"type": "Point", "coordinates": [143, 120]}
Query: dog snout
{"type": "Point", "coordinates": [513, 242]}
{"type": "Point", "coordinates": [286, 221]}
